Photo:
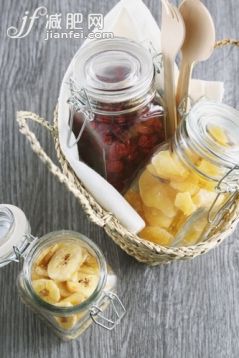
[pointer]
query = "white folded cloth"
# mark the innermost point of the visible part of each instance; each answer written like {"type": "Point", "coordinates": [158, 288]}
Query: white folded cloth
{"type": "Point", "coordinates": [131, 19]}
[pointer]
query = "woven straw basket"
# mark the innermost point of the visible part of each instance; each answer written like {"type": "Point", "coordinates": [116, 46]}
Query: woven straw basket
{"type": "Point", "coordinates": [142, 250]}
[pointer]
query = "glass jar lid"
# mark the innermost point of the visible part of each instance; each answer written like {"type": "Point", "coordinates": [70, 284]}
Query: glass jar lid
{"type": "Point", "coordinates": [213, 130]}
{"type": "Point", "coordinates": [113, 70]}
{"type": "Point", "coordinates": [14, 233]}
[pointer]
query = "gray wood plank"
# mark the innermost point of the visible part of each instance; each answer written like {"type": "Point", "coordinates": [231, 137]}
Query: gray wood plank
{"type": "Point", "coordinates": [183, 310]}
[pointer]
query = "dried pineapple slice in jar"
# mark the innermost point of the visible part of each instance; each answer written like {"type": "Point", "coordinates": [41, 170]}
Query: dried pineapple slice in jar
{"type": "Point", "coordinates": [208, 168]}
{"type": "Point", "coordinates": [191, 184]}
{"type": "Point", "coordinates": [155, 217]}
{"type": "Point", "coordinates": [185, 203]}
{"type": "Point", "coordinates": [157, 235]}
{"type": "Point", "coordinates": [152, 170]}
{"type": "Point", "coordinates": [148, 188]}
{"type": "Point", "coordinates": [168, 166]}
{"type": "Point", "coordinates": [156, 194]}
{"type": "Point", "coordinates": [208, 185]}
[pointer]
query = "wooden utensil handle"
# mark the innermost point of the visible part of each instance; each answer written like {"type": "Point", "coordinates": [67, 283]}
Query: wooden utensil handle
{"type": "Point", "coordinates": [169, 95]}
{"type": "Point", "coordinates": [183, 83]}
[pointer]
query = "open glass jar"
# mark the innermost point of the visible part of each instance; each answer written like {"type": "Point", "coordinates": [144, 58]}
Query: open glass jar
{"type": "Point", "coordinates": [190, 181]}
{"type": "Point", "coordinates": [68, 310]}
{"type": "Point", "coordinates": [116, 112]}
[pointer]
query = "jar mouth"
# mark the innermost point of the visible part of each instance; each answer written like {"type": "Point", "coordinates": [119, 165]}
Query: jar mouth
{"type": "Point", "coordinates": [209, 131]}
{"type": "Point", "coordinates": [56, 237]}
{"type": "Point", "coordinates": [113, 70]}
{"type": "Point", "coordinates": [213, 130]}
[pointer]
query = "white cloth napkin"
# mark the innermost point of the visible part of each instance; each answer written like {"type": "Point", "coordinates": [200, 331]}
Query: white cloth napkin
{"type": "Point", "coordinates": [131, 19]}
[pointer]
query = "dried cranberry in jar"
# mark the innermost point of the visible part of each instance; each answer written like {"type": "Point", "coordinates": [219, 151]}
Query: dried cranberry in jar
{"type": "Point", "coordinates": [127, 116]}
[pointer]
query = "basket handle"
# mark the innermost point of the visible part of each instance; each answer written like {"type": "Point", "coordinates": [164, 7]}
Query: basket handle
{"type": "Point", "coordinates": [226, 42]}
{"type": "Point", "coordinates": [22, 117]}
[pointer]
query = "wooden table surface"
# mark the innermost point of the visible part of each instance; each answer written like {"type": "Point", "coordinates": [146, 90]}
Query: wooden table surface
{"type": "Point", "coordinates": [182, 310]}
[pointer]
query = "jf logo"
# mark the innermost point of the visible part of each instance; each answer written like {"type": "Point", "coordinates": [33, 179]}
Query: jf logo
{"type": "Point", "coordinates": [27, 23]}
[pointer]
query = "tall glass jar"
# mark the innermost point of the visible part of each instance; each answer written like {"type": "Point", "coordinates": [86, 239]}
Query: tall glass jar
{"type": "Point", "coordinates": [116, 112]}
{"type": "Point", "coordinates": [189, 182]}
{"type": "Point", "coordinates": [67, 319]}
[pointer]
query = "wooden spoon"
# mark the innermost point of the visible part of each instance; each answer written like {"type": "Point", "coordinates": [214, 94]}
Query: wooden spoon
{"type": "Point", "coordinates": [198, 45]}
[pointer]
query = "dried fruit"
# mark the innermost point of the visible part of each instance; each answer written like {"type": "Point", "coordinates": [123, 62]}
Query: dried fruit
{"type": "Point", "coordinates": [190, 184]}
{"type": "Point", "coordinates": [90, 266]}
{"type": "Point", "coordinates": [69, 321]}
{"type": "Point", "coordinates": [45, 256]}
{"type": "Point", "coordinates": [41, 271]}
{"type": "Point", "coordinates": [147, 140]}
{"type": "Point", "coordinates": [152, 170]}
{"type": "Point", "coordinates": [170, 192]}
{"type": "Point", "coordinates": [157, 235]}
{"type": "Point", "coordinates": [156, 194]}
{"type": "Point", "coordinates": [86, 284]}
{"type": "Point", "coordinates": [169, 167]}
{"type": "Point", "coordinates": [63, 289]}
{"type": "Point", "coordinates": [155, 217]}
{"type": "Point", "coordinates": [118, 150]}
{"type": "Point", "coordinates": [185, 203]}
{"type": "Point", "coordinates": [120, 143]}
{"type": "Point", "coordinates": [65, 262]}
{"type": "Point", "coordinates": [70, 276]}
{"type": "Point", "coordinates": [115, 166]}
{"type": "Point", "coordinates": [47, 290]}
{"type": "Point", "coordinates": [208, 168]}
{"type": "Point", "coordinates": [75, 299]}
